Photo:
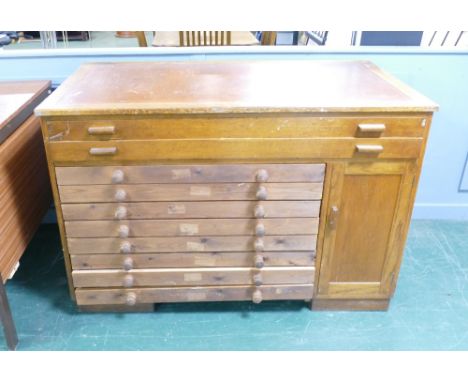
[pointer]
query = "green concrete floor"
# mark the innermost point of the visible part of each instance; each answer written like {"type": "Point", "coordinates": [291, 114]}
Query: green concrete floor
{"type": "Point", "coordinates": [429, 310]}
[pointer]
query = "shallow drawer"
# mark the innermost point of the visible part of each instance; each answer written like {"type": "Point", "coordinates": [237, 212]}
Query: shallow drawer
{"type": "Point", "coordinates": [190, 259]}
{"type": "Point", "coordinates": [185, 294]}
{"type": "Point", "coordinates": [192, 277]}
{"type": "Point", "coordinates": [219, 173]}
{"type": "Point", "coordinates": [191, 244]}
{"type": "Point", "coordinates": [182, 210]}
{"type": "Point", "coordinates": [191, 227]}
{"type": "Point", "coordinates": [164, 150]}
{"type": "Point", "coordinates": [240, 127]}
{"type": "Point", "coordinates": [190, 192]}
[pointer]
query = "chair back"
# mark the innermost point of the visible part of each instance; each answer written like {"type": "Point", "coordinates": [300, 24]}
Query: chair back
{"type": "Point", "coordinates": [204, 38]}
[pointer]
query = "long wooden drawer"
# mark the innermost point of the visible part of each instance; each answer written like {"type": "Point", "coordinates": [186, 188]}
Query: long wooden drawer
{"type": "Point", "coordinates": [93, 296]}
{"type": "Point", "coordinates": [191, 227]}
{"type": "Point", "coordinates": [190, 192]}
{"type": "Point", "coordinates": [190, 259]}
{"type": "Point", "coordinates": [238, 127]}
{"type": "Point", "coordinates": [191, 244]}
{"type": "Point", "coordinates": [192, 277]}
{"type": "Point", "coordinates": [109, 152]}
{"type": "Point", "coordinates": [183, 210]}
{"type": "Point", "coordinates": [216, 173]}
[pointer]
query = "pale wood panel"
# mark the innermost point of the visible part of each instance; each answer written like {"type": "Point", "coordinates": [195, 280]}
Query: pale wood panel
{"type": "Point", "coordinates": [191, 244]}
{"type": "Point", "coordinates": [187, 294]}
{"type": "Point", "coordinates": [265, 126]}
{"type": "Point", "coordinates": [182, 210]}
{"type": "Point", "coordinates": [192, 227]}
{"type": "Point", "coordinates": [192, 259]}
{"type": "Point", "coordinates": [193, 276]}
{"type": "Point", "coordinates": [188, 192]}
{"type": "Point", "coordinates": [233, 149]}
{"type": "Point", "coordinates": [133, 88]}
{"type": "Point", "coordinates": [213, 173]}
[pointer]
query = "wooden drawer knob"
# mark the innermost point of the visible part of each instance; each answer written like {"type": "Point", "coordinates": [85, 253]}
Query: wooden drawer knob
{"type": "Point", "coordinates": [262, 193]}
{"type": "Point", "coordinates": [257, 296]}
{"type": "Point", "coordinates": [257, 279]}
{"type": "Point", "coordinates": [124, 231]}
{"type": "Point", "coordinates": [259, 245]}
{"type": "Point", "coordinates": [369, 149]}
{"type": "Point", "coordinates": [259, 211]}
{"type": "Point", "coordinates": [117, 176]}
{"type": "Point", "coordinates": [120, 195]}
{"type": "Point", "coordinates": [125, 247]}
{"type": "Point", "coordinates": [261, 175]}
{"type": "Point", "coordinates": [103, 151]}
{"type": "Point", "coordinates": [260, 229]}
{"type": "Point", "coordinates": [259, 261]}
{"type": "Point", "coordinates": [121, 212]}
{"type": "Point", "coordinates": [371, 127]}
{"type": "Point", "coordinates": [128, 281]}
{"type": "Point", "coordinates": [128, 263]}
{"type": "Point", "coordinates": [130, 299]}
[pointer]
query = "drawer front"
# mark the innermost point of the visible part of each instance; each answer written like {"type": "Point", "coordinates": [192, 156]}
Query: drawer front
{"type": "Point", "coordinates": [108, 152]}
{"type": "Point", "coordinates": [196, 127]}
{"type": "Point", "coordinates": [190, 259]}
{"type": "Point", "coordinates": [191, 227]}
{"type": "Point", "coordinates": [187, 294]}
{"type": "Point", "coordinates": [192, 277]}
{"type": "Point", "coordinates": [191, 244]}
{"type": "Point", "coordinates": [183, 210]}
{"type": "Point", "coordinates": [176, 174]}
{"type": "Point", "coordinates": [188, 192]}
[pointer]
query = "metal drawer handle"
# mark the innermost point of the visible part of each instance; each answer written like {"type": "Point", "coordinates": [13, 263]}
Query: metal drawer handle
{"type": "Point", "coordinates": [371, 127]}
{"type": "Point", "coordinates": [262, 175]}
{"type": "Point", "coordinates": [257, 279]}
{"type": "Point", "coordinates": [103, 150]}
{"type": "Point", "coordinates": [257, 296]}
{"type": "Point", "coordinates": [125, 247]}
{"type": "Point", "coordinates": [120, 195]}
{"type": "Point", "coordinates": [259, 211]}
{"type": "Point", "coordinates": [123, 231]}
{"type": "Point", "coordinates": [260, 229]}
{"type": "Point", "coordinates": [259, 261]}
{"type": "Point", "coordinates": [128, 264]}
{"type": "Point", "coordinates": [369, 149]}
{"type": "Point", "coordinates": [101, 130]}
{"type": "Point", "coordinates": [120, 213]}
{"type": "Point", "coordinates": [118, 176]}
{"type": "Point", "coordinates": [262, 193]}
{"type": "Point", "coordinates": [130, 299]}
{"type": "Point", "coordinates": [259, 245]}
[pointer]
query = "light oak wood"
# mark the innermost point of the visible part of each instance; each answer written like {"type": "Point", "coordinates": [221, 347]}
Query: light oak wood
{"type": "Point", "coordinates": [258, 126]}
{"type": "Point", "coordinates": [183, 210]}
{"type": "Point", "coordinates": [192, 227]}
{"type": "Point", "coordinates": [192, 277]}
{"type": "Point", "coordinates": [192, 259]}
{"type": "Point", "coordinates": [175, 174]}
{"type": "Point", "coordinates": [190, 192]}
{"type": "Point", "coordinates": [202, 38]}
{"type": "Point", "coordinates": [191, 244]}
{"type": "Point", "coordinates": [191, 294]}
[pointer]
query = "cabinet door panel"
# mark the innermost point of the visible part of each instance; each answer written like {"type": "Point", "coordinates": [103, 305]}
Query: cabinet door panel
{"type": "Point", "coordinates": [369, 208]}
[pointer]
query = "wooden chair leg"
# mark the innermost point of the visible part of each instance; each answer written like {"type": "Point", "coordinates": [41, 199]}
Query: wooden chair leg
{"type": "Point", "coordinates": [7, 319]}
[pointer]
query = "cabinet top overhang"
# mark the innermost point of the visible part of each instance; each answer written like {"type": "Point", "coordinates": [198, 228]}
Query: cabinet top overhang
{"type": "Point", "coordinates": [194, 87]}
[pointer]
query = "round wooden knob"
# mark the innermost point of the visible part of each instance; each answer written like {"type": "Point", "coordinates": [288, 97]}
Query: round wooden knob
{"type": "Point", "coordinates": [123, 231]}
{"type": "Point", "coordinates": [259, 211]}
{"type": "Point", "coordinates": [262, 175]}
{"type": "Point", "coordinates": [128, 263]}
{"type": "Point", "coordinates": [125, 247]}
{"type": "Point", "coordinates": [260, 229]}
{"type": "Point", "coordinates": [121, 212]}
{"type": "Point", "coordinates": [262, 193]}
{"type": "Point", "coordinates": [257, 279]}
{"type": "Point", "coordinates": [259, 245]}
{"type": "Point", "coordinates": [117, 176]}
{"type": "Point", "coordinates": [259, 261]}
{"type": "Point", "coordinates": [120, 195]}
{"type": "Point", "coordinates": [128, 281]}
{"type": "Point", "coordinates": [257, 296]}
{"type": "Point", "coordinates": [130, 299]}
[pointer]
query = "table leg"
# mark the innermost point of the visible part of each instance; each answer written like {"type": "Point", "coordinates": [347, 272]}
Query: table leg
{"type": "Point", "coordinates": [7, 319]}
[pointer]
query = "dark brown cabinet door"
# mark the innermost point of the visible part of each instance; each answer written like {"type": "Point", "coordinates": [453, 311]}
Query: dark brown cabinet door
{"type": "Point", "coordinates": [369, 208]}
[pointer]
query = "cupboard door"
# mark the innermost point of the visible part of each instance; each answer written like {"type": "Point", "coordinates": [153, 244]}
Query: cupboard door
{"type": "Point", "coordinates": [369, 209]}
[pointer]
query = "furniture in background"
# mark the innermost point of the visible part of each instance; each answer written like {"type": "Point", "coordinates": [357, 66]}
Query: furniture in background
{"type": "Point", "coordinates": [203, 38]}
{"type": "Point", "coordinates": [25, 192]}
{"type": "Point", "coordinates": [206, 185]}
{"type": "Point", "coordinates": [268, 38]}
